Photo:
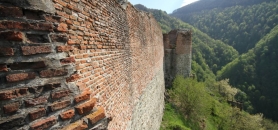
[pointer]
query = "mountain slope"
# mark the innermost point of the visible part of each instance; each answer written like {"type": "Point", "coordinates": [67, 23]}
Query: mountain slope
{"type": "Point", "coordinates": [256, 74]}
{"type": "Point", "coordinates": [206, 51]}
{"type": "Point", "coordinates": [240, 25]}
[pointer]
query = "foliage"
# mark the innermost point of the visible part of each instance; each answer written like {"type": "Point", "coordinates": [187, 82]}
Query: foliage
{"type": "Point", "coordinates": [255, 73]}
{"type": "Point", "coordinates": [205, 108]}
{"type": "Point", "coordinates": [172, 119]}
{"type": "Point", "coordinates": [240, 25]}
{"type": "Point", "coordinates": [190, 96]}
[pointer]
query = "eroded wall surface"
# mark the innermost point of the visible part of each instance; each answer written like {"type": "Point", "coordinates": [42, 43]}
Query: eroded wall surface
{"type": "Point", "coordinates": [79, 64]}
{"type": "Point", "coordinates": [178, 53]}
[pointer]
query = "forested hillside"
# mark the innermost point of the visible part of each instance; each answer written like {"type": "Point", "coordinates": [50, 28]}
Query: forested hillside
{"type": "Point", "coordinates": [240, 24]}
{"type": "Point", "coordinates": [256, 74]}
{"type": "Point", "coordinates": [208, 54]}
{"type": "Point", "coordinates": [250, 28]}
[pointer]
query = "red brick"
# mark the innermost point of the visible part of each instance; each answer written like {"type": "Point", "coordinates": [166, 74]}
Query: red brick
{"type": "Point", "coordinates": [78, 125]}
{"type": "Point", "coordinates": [6, 25]}
{"type": "Point", "coordinates": [59, 105]}
{"type": "Point", "coordinates": [21, 25]}
{"type": "Point", "coordinates": [56, 19]}
{"type": "Point", "coordinates": [31, 50]}
{"type": "Point", "coordinates": [79, 56]}
{"type": "Point", "coordinates": [62, 14]}
{"type": "Point", "coordinates": [81, 86]}
{"type": "Point", "coordinates": [70, 6]}
{"type": "Point", "coordinates": [73, 78]}
{"type": "Point", "coordinates": [9, 94]}
{"type": "Point", "coordinates": [86, 80]}
{"type": "Point", "coordinates": [10, 12]}
{"type": "Point", "coordinates": [69, 22]}
{"type": "Point", "coordinates": [27, 65]}
{"type": "Point", "coordinates": [52, 86]}
{"type": "Point", "coordinates": [26, 26]}
{"type": "Point", "coordinates": [84, 96]}
{"type": "Point", "coordinates": [36, 101]}
{"type": "Point", "coordinates": [86, 107]}
{"type": "Point", "coordinates": [37, 38]}
{"type": "Point", "coordinates": [20, 77]}
{"type": "Point", "coordinates": [57, 95]}
{"type": "Point", "coordinates": [41, 27]}
{"type": "Point", "coordinates": [6, 51]}
{"type": "Point", "coordinates": [53, 73]}
{"type": "Point", "coordinates": [76, 0]}
{"type": "Point", "coordinates": [60, 2]}
{"type": "Point", "coordinates": [59, 38]}
{"type": "Point", "coordinates": [65, 48]}
{"type": "Point", "coordinates": [67, 114]}
{"type": "Point", "coordinates": [62, 27]}
{"type": "Point", "coordinates": [3, 68]}
{"type": "Point", "coordinates": [72, 17]}
{"type": "Point", "coordinates": [67, 60]}
{"type": "Point", "coordinates": [37, 113]}
{"type": "Point", "coordinates": [71, 42]}
{"type": "Point", "coordinates": [99, 46]}
{"type": "Point", "coordinates": [30, 14]}
{"type": "Point", "coordinates": [97, 115]}
{"type": "Point", "coordinates": [11, 36]}
{"type": "Point", "coordinates": [10, 108]}
{"type": "Point", "coordinates": [44, 124]}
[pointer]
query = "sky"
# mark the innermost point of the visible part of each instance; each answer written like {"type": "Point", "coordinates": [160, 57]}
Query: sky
{"type": "Point", "coordinates": [164, 5]}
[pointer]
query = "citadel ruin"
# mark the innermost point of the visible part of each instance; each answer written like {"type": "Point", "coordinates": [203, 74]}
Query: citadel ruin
{"type": "Point", "coordinates": [85, 64]}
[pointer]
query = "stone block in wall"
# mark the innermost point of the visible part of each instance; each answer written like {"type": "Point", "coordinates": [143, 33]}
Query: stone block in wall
{"type": "Point", "coordinates": [11, 108]}
{"type": "Point", "coordinates": [86, 107]}
{"type": "Point", "coordinates": [13, 122]}
{"type": "Point", "coordinates": [44, 123]}
{"type": "Point", "coordinates": [38, 113]}
{"type": "Point", "coordinates": [59, 105]}
{"type": "Point", "coordinates": [36, 101]}
{"type": "Point", "coordinates": [10, 12]}
{"type": "Point", "coordinates": [42, 5]}
{"type": "Point", "coordinates": [20, 77]}
{"type": "Point", "coordinates": [67, 114]}
{"type": "Point", "coordinates": [97, 115]}
{"type": "Point", "coordinates": [6, 51]}
{"type": "Point", "coordinates": [78, 125]}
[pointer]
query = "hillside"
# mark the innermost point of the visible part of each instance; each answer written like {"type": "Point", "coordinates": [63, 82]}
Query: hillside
{"type": "Point", "coordinates": [210, 107]}
{"type": "Point", "coordinates": [239, 24]}
{"type": "Point", "coordinates": [206, 58]}
{"type": "Point", "coordinates": [210, 4]}
{"type": "Point", "coordinates": [256, 74]}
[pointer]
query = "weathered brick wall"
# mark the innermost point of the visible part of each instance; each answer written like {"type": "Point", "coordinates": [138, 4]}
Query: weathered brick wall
{"type": "Point", "coordinates": [79, 64]}
{"type": "Point", "coordinates": [178, 49]}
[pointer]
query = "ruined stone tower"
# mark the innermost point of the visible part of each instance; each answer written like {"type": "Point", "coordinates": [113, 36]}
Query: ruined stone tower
{"type": "Point", "coordinates": [177, 57]}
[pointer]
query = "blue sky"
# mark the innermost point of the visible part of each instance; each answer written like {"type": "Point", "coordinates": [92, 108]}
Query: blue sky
{"type": "Point", "coordinates": [165, 5]}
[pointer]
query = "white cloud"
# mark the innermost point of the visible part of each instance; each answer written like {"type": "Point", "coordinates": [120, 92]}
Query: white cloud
{"type": "Point", "coordinates": [186, 2]}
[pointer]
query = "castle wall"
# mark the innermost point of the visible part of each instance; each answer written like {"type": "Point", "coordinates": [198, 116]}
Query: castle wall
{"type": "Point", "coordinates": [178, 53]}
{"type": "Point", "coordinates": [79, 64]}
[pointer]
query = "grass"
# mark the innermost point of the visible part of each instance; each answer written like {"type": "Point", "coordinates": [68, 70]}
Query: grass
{"type": "Point", "coordinates": [172, 120]}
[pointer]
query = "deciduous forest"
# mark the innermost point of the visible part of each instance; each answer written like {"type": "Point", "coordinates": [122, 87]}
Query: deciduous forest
{"type": "Point", "coordinates": [234, 58]}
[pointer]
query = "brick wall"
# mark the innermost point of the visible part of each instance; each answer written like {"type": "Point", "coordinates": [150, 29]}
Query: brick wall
{"type": "Point", "coordinates": [178, 49]}
{"type": "Point", "coordinates": [79, 64]}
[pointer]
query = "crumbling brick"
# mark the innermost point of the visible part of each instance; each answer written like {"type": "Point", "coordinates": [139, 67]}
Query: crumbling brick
{"type": "Point", "coordinates": [86, 107]}
{"type": "Point", "coordinates": [20, 77]}
{"type": "Point", "coordinates": [37, 113]}
{"type": "Point", "coordinates": [67, 114]}
{"type": "Point", "coordinates": [43, 124]}
{"type": "Point", "coordinates": [10, 108]}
